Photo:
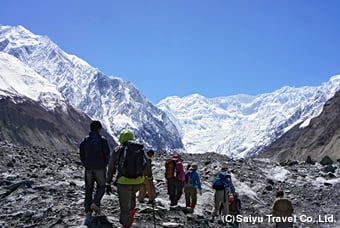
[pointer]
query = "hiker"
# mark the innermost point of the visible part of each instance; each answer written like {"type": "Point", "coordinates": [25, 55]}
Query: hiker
{"type": "Point", "coordinates": [283, 208]}
{"type": "Point", "coordinates": [193, 183]}
{"type": "Point", "coordinates": [223, 187]}
{"type": "Point", "coordinates": [175, 177]}
{"type": "Point", "coordinates": [234, 208]}
{"type": "Point", "coordinates": [129, 160]}
{"type": "Point", "coordinates": [94, 155]}
{"type": "Point", "coordinates": [147, 187]}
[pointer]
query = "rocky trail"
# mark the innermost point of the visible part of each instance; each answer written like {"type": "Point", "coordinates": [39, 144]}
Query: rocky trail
{"type": "Point", "coordinates": [41, 188]}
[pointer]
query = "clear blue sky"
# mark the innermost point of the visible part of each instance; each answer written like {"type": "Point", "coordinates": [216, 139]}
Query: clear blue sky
{"type": "Point", "coordinates": [180, 47]}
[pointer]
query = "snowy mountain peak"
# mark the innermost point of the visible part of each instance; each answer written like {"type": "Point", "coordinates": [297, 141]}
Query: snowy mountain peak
{"type": "Point", "coordinates": [241, 125]}
{"type": "Point", "coordinates": [17, 79]}
{"type": "Point", "coordinates": [18, 36]}
{"type": "Point", "coordinates": [114, 101]}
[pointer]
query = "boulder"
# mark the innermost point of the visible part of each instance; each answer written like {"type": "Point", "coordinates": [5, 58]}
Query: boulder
{"type": "Point", "coordinates": [326, 161]}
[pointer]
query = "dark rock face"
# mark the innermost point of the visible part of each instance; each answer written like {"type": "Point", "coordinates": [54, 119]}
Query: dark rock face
{"type": "Point", "coordinates": [320, 138]}
{"type": "Point", "coordinates": [326, 161]}
{"type": "Point", "coordinates": [44, 187]}
{"type": "Point", "coordinates": [27, 123]}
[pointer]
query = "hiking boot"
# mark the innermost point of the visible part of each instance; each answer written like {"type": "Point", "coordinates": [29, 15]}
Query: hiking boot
{"type": "Point", "coordinates": [95, 208]}
{"type": "Point", "coordinates": [88, 213]}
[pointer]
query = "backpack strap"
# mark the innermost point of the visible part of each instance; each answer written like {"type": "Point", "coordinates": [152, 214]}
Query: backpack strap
{"type": "Point", "coordinates": [119, 158]}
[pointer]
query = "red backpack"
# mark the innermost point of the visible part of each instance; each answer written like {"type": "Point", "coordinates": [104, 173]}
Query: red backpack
{"type": "Point", "coordinates": [233, 207]}
{"type": "Point", "coordinates": [170, 169]}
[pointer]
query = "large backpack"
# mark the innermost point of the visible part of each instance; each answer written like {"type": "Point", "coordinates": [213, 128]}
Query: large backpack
{"type": "Point", "coordinates": [233, 205]}
{"type": "Point", "coordinates": [132, 161]}
{"type": "Point", "coordinates": [170, 168]}
{"type": "Point", "coordinates": [221, 181]}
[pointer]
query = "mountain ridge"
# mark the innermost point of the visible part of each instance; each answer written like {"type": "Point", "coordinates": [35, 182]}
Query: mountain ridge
{"type": "Point", "coordinates": [242, 125]}
{"type": "Point", "coordinates": [318, 139]}
{"type": "Point", "coordinates": [114, 101]}
{"type": "Point", "coordinates": [34, 113]}
{"type": "Point", "coordinates": [238, 126]}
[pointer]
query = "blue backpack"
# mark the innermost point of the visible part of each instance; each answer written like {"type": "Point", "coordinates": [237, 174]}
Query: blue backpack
{"type": "Point", "coordinates": [221, 181]}
{"type": "Point", "coordinates": [188, 177]}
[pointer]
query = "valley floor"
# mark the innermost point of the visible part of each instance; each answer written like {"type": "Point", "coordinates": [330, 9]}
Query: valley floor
{"type": "Point", "coordinates": [50, 191]}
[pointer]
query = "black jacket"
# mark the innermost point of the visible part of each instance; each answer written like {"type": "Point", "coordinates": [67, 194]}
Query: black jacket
{"type": "Point", "coordinates": [94, 152]}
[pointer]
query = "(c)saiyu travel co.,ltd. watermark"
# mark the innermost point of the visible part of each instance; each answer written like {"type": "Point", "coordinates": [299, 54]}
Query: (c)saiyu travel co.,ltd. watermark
{"type": "Point", "coordinates": [273, 219]}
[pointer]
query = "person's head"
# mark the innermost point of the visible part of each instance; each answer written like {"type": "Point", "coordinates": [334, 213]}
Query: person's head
{"type": "Point", "coordinates": [126, 135]}
{"type": "Point", "coordinates": [150, 153]}
{"type": "Point", "coordinates": [280, 194]}
{"type": "Point", "coordinates": [178, 156]}
{"type": "Point", "coordinates": [193, 167]}
{"type": "Point", "coordinates": [95, 126]}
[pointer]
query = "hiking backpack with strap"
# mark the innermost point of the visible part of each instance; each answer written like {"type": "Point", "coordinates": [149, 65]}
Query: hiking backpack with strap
{"type": "Point", "coordinates": [132, 161]}
{"type": "Point", "coordinates": [221, 181]}
{"type": "Point", "coordinates": [170, 169]}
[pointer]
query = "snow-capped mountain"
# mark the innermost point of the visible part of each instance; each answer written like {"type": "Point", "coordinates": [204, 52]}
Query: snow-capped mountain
{"type": "Point", "coordinates": [241, 125]}
{"type": "Point", "coordinates": [18, 80]}
{"type": "Point", "coordinates": [33, 112]}
{"type": "Point", "coordinates": [114, 101]}
{"type": "Point", "coordinates": [320, 138]}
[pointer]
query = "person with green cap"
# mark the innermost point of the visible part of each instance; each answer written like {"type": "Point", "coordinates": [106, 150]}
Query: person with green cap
{"type": "Point", "coordinates": [129, 160]}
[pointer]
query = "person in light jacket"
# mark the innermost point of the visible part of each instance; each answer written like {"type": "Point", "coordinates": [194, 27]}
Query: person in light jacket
{"type": "Point", "coordinates": [127, 187]}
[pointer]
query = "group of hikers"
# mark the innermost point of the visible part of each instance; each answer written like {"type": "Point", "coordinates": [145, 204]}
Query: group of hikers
{"type": "Point", "coordinates": [133, 167]}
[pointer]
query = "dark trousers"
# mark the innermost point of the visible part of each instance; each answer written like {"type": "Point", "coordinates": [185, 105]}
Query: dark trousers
{"type": "Point", "coordinates": [127, 202]}
{"type": "Point", "coordinates": [91, 177]}
{"type": "Point", "coordinates": [175, 190]}
{"type": "Point", "coordinates": [190, 197]}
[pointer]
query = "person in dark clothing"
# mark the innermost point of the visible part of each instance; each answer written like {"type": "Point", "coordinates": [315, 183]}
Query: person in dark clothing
{"type": "Point", "coordinates": [94, 155]}
{"type": "Point", "coordinates": [283, 208]}
{"type": "Point", "coordinates": [177, 182]}
{"type": "Point", "coordinates": [234, 208]}
{"type": "Point", "coordinates": [147, 187]}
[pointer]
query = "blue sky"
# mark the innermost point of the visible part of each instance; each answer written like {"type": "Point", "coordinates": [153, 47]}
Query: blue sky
{"type": "Point", "coordinates": [181, 47]}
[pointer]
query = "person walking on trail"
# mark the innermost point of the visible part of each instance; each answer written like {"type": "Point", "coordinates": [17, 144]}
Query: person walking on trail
{"type": "Point", "coordinates": [129, 160]}
{"type": "Point", "coordinates": [148, 187]}
{"type": "Point", "coordinates": [234, 208]}
{"type": "Point", "coordinates": [282, 208]}
{"type": "Point", "coordinates": [193, 183]}
{"type": "Point", "coordinates": [175, 177]}
{"type": "Point", "coordinates": [94, 155]}
{"type": "Point", "coordinates": [223, 187]}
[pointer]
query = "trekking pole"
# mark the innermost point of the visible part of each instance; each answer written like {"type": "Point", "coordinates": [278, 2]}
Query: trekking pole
{"type": "Point", "coordinates": [154, 216]}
